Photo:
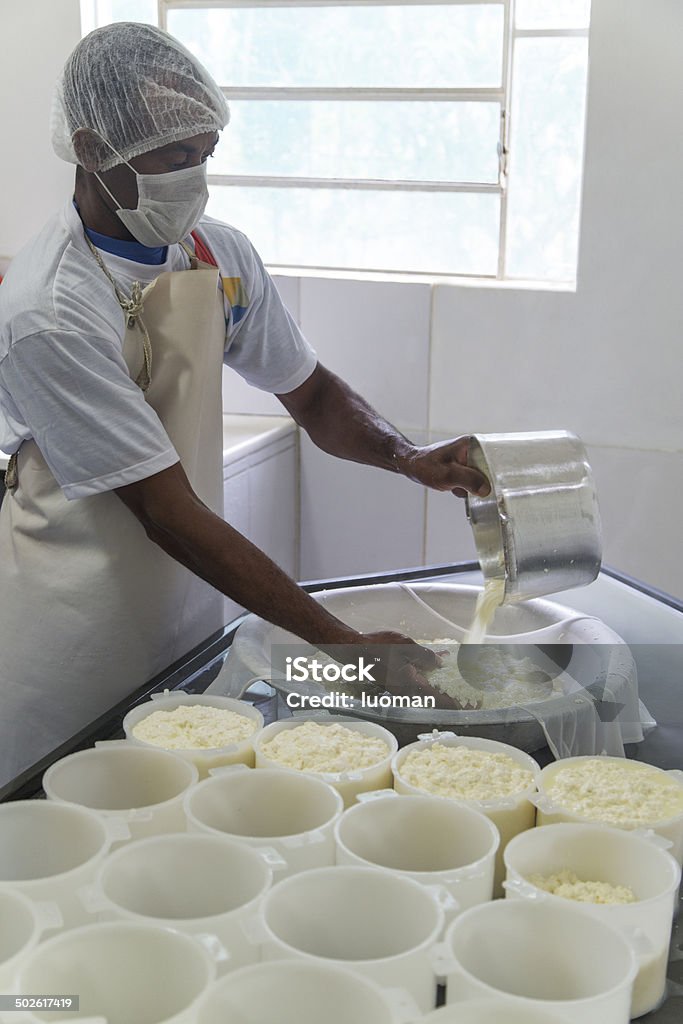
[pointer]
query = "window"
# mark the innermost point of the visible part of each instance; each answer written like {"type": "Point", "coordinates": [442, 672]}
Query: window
{"type": "Point", "coordinates": [442, 137]}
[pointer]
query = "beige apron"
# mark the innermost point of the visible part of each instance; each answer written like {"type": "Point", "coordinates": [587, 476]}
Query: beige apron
{"type": "Point", "coordinates": [90, 608]}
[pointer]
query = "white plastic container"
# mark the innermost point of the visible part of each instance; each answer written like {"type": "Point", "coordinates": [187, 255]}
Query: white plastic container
{"type": "Point", "coordinates": [348, 783]}
{"type": "Point", "coordinates": [288, 815]}
{"type": "Point", "coordinates": [48, 851]}
{"type": "Point", "coordinates": [22, 925]}
{"type": "Point", "coordinates": [550, 811]}
{"type": "Point", "coordinates": [436, 842]}
{"type": "Point", "coordinates": [511, 815]}
{"type": "Point", "coordinates": [535, 956]}
{"type": "Point", "coordinates": [383, 926]}
{"type": "Point", "coordinates": [297, 992]}
{"type": "Point", "coordinates": [598, 853]}
{"type": "Point", "coordinates": [204, 885]}
{"type": "Point", "coordinates": [141, 786]}
{"type": "Point", "coordinates": [490, 1011]}
{"type": "Point", "coordinates": [203, 758]}
{"type": "Point", "coordinates": [121, 972]}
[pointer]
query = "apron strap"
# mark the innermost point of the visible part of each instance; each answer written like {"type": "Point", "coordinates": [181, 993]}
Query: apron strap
{"type": "Point", "coordinates": [11, 479]}
{"type": "Point", "coordinates": [132, 310]}
{"type": "Point", "coordinates": [202, 250]}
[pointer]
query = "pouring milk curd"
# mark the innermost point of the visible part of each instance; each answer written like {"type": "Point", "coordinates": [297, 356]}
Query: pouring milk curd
{"type": "Point", "coordinates": [488, 601]}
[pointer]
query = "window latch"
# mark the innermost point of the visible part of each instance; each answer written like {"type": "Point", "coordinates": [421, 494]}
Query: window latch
{"type": "Point", "coordinates": [502, 150]}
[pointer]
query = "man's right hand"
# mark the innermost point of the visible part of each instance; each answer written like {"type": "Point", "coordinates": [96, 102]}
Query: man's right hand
{"type": "Point", "coordinates": [398, 663]}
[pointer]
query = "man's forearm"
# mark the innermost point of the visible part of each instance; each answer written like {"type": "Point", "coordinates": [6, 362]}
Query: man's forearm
{"type": "Point", "coordinates": [176, 520]}
{"type": "Point", "coordinates": [340, 422]}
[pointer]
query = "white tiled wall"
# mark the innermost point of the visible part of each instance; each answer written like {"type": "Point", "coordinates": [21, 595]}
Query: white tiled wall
{"type": "Point", "coordinates": [448, 534]}
{"type": "Point", "coordinates": [35, 39]}
{"type": "Point", "coordinates": [376, 336]}
{"type": "Point", "coordinates": [499, 360]}
{"type": "Point", "coordinates": [260, 499]}
{"type": "Point", "coordinates": [641, 495]}
{"type": "Point", "coordinates": [273, 506]}
{"type": "Point", "coordinates": [355, 519]}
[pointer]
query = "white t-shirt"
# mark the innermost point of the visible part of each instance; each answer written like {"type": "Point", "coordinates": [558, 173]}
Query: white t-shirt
{"type": "Point", "coordinates": [63, 379]}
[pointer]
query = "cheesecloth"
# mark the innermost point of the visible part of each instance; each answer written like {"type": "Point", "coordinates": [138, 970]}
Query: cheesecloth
{"type": "Point", "coordinates": [136, 87]}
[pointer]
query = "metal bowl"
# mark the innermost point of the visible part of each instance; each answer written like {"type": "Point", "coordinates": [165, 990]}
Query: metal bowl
{"type": "Point", "coordinates": [593, 656]}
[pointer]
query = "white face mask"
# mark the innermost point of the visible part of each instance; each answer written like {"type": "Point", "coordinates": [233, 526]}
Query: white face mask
{"type": "Point", "coordinates": [169, 205]}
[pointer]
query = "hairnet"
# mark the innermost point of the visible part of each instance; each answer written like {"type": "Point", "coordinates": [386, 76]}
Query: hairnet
{"type": "Point", "coordinates": [138, 88]}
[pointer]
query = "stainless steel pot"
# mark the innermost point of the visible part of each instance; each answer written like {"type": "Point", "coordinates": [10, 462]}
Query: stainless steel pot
{"type": "Point", "coordinates": [539, 528]}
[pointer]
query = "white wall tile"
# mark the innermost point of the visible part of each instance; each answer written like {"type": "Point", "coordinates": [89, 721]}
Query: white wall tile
{"type": "Point", "coordinates": [236, 500]}
{"type": "Point", "coordinates": [356, 519]}
{"type": "Point", "coordinates": [449, 536]}
{"type": "Point", "coordinates": [36, 183]}
{"type": "Point", "coordinates": [274, 506]}
{"type": "Point", "coordinates": [641, 495]}
{"type": "Point", "coordinates": [240, 397]}
{"type": "Point", "coordinates": [289, 289]}
{"type": "Point", "coordinates": [376, 336]}
{"type": "Point", "coordinates": [500, 361]}
{"type": "Point", "coordinates": [261, 502]}
{"type": "Point", "coordinates": [236, 512]}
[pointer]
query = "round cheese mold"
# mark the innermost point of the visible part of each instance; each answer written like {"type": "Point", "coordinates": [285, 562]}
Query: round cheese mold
{"type": "Point", "coordinates": [354, 757]}
{"type": "Point", "coordinates": [620, 792]}
{"type": "Point", "coordinates": [569, 886]}
{"type": "Point", "coordinates": [613, 791]}
{"type": "Point", "coordinates": [464, 773]}
{"type": "Point", "coordinates": [324, 748]}
{"type": "Point", "coordinates": [210, 731]}
{"type": "Point", "coordinates": [495, 778]}
{"type": "Point", "coordinates": [625, 861]}
{"type": "Point", "coordinates": [190, 726]}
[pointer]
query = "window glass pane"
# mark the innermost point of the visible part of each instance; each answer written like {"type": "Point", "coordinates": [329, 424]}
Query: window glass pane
{"type": "Point", "coordinates": [546, 158]}
{"type": "Point", "coordinates": [446, 233]}
{"type": "Point", "coordinates": [346, 46]}
{"type": "Point", "coordinates": [357, 139]}
{"type": "Point", "coordinates": [126, 10]}
{"type": "Point", "coordinates": [552, 13]}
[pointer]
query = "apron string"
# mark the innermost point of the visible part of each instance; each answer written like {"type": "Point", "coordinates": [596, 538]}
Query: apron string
{"type": "Point", "coordinates": [11, 478]}
{"type": "Point", "coordinates": [132, 310]}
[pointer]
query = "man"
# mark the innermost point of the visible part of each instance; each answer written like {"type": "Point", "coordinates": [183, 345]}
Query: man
{"type": "Point", "coordinates": [115, 323]}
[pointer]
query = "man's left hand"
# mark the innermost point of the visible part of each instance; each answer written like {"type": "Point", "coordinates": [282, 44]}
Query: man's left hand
{"type": "Point", "coordinates": [443, 466]}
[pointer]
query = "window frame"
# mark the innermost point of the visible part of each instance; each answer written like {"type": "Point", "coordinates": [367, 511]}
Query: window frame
{"type": "Point", "coordinates": [501, 95]}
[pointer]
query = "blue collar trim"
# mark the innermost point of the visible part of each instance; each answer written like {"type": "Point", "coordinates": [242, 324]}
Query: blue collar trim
{"type": "Point", "coordinates": [134, 250]}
